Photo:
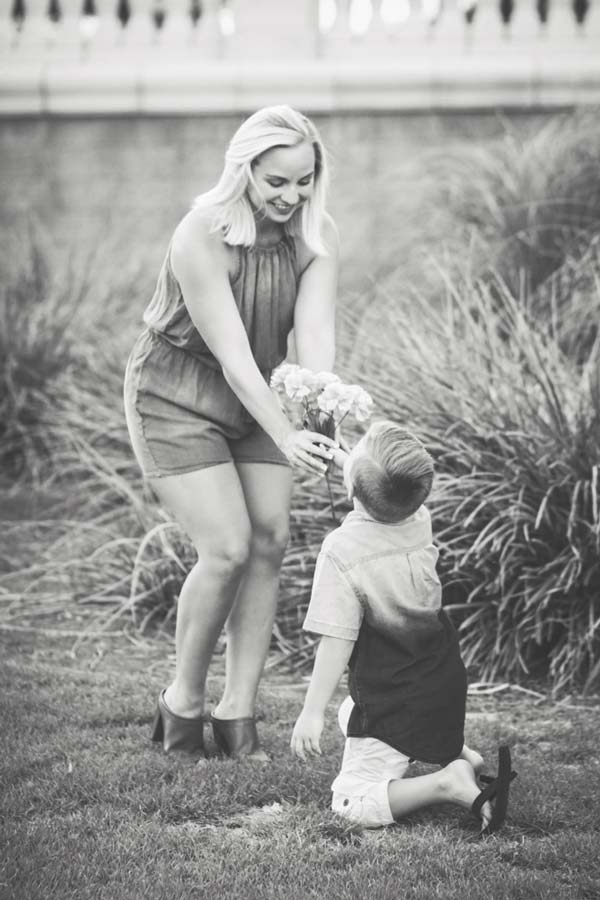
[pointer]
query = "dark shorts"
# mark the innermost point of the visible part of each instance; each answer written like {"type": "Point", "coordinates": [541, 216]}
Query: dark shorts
{"type": "Point", "coordinates": [183, 416]}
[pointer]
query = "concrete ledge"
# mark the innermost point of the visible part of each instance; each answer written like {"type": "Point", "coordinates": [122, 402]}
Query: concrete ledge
{"type": "Point", "coordinates": [139, 87]}
{"type": "Point", "coordinates": [22, 90]}
{"type": "Point", "coordinates": [80, 89]}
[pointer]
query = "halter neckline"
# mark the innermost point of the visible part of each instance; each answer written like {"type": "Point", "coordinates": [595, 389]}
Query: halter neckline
{"type": "Point", "coordinates": [269, 248]}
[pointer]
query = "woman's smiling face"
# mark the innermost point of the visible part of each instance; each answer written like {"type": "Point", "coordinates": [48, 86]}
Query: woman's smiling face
{"type": "Point", "coordinates": [283, 180]}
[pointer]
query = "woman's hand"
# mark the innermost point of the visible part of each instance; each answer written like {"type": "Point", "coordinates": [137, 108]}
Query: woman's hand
{"type": "Point", "coordinates": [308, 450]}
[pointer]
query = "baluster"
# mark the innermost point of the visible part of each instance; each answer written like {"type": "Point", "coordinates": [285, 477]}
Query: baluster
{"type": "Point", "coordinates": [226, 19]}
{"type": "Point", "coordinates": [33, 28]}
{"type": "Point", "coordinates": [195, 12]}
{"type": "Point", "coordinates": [62, 31]}
{"type": "Point", "coordinates": [123, 12]}
{"type": "Point", "coordinates": [158, 16]}
{"type": "Point", "coordinates": [507, 8]}
{"type": "Point", "coordinates": [580, 9]}
{"type": "Point", "coordinates": [209, 39]}
{"type": "Point", "coordinates": [431, 11]}
{"type": "Point", "coordinates": [54, 17]}
{"type": "Point", "coordinates": [179, 34]}
{"type": "Point", "coordinates": [327, 15]}
{"type": "Point", "coordinates": [139, 33]}
{"type": "Point", "coordinates": [542, 8]}
{"type": "Point", "coordinates": [394, 13]}
{"type": "Point", "coordinates": [359, 17]}
{"type": "Point", "coordinates": [172, 27]}
{"type": "Point", "coordinates": [405, 23]}
{"type": "Point", "coordinates": [469, 10]}
{"type": "Point", "coordinates": [88, 25]}
{"type": "Point", "coordinates": [18, 14]}
{"type": "Point", "coordinates": [332, 26]}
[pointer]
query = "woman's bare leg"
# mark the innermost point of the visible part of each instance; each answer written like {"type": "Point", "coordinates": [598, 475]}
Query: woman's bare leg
{"type": "Point", "coordinates": [267, 491]}
{"type": "Point", "coordinates": [455, 783]}
{"type": "Point", "coordinates": [209, 505]}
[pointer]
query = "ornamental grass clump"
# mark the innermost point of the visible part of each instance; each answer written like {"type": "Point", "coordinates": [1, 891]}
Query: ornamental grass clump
{"type": "Point", "coordinates": [521, 206]}
{"type": "Point", "coordinates": [532, 202]}
{"type": "Point", "coordinates": [514, 426]}
{"type": "Point", "coordinates": [38, 351]}
{"type": "Point", "coordinates": [61, 361]}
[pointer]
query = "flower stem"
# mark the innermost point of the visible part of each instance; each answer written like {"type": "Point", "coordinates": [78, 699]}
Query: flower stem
{"type": "Point", "coordinates": [331, 503]}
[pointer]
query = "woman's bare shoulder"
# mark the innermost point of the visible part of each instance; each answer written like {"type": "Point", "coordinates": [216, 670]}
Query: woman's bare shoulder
{"type": "Point", "coordinates": [194, 243]}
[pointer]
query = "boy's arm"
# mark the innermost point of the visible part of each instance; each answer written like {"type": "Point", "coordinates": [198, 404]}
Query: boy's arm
{"type": "Point", "coordinates": [339, 455]}
{"type": "Point", "coordinates": [330, 663]}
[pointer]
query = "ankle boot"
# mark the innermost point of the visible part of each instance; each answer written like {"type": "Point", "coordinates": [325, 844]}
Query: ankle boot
{"type": "Point", "coordinates": [177, 732]}
{"type": "Point", "coordinates": [238, 738]}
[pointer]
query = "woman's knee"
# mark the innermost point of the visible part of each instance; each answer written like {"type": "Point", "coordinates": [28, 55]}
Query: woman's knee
{"type": "Point", "coordinates": [226, 552]}
{"type": "Point", "coordinates": [270, 539]}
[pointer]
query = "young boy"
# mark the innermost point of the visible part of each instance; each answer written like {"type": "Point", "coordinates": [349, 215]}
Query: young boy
{"type": "Point", "coordinates": [376, 601]}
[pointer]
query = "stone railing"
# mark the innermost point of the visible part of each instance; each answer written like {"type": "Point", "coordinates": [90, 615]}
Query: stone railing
{"type": "Point", "coordinates": [163, 56]}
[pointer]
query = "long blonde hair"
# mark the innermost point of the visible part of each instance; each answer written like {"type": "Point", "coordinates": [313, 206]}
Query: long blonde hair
{"type": "Point", "coordinates": [228, 202]}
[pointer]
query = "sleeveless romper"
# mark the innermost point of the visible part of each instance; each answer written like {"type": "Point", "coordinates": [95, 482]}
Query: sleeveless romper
{"type": "Point", "coordinates": [181, 413]}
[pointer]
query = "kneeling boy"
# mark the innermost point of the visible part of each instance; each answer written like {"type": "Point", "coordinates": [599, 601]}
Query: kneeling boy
{"type": "Point", "coordinates": [376, 601]}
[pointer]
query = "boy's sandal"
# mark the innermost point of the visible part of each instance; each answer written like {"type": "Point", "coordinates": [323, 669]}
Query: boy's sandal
{"type": "Point", "coordinates": [497, 789]}
{"type": "Point", "coordinates": [238, 738]}
{"type": "Point", "coordinates": [177, 732]}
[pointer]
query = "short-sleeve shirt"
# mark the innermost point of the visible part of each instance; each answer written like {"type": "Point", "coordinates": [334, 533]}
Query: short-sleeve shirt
{"type": "Point", "coordinates": [376, 584]}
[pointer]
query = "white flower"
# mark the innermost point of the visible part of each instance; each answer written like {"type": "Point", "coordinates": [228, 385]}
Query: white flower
{"type": "Point", "coordinates": [322, 379]}
{"type": "Point", "coordinates": [347, 398]}
{"type": "Point", "coordinates": [279, 375]}
{"type": "Point", "coordinates": [322, 391]}
{"type": "Point", "coordinates": [330, 397]}
{"type": "Point", "coordinates": [362, 407]}
{"type": "Point", "coordinates": [299, 384]}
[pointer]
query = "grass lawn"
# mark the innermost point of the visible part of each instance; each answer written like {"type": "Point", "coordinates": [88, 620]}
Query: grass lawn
{"type": "Point", "coordinates": [91, 809]}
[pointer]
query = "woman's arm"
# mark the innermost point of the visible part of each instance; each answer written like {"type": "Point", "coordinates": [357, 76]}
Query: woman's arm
{"type": "Point", "coordinates": [314, 314]}
{"type": "Point", "coordinates": [199, 263]}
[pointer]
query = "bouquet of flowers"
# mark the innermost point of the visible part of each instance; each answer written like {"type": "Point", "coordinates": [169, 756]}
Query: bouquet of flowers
{"type": "Point", "coordinates": [321, 401]}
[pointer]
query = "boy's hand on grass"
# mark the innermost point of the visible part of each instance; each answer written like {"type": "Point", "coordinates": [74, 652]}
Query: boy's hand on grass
{"type": "Point", "coordinates": [306, 735]}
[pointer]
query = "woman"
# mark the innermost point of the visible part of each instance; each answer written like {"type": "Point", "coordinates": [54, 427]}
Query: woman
{"type": "Point", "coordinates": [254, 258]}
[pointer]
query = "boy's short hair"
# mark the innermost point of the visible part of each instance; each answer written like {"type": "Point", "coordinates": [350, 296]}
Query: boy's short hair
{"type": "Point", "coordinates": [393, 477]}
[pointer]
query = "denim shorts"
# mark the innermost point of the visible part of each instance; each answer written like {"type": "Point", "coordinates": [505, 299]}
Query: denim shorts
{"type": "Point", "coordinates": [183, 416]}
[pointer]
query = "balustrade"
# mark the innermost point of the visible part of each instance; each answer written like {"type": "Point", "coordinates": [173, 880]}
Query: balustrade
{"type": "Point", "coordinates": [135, 47]}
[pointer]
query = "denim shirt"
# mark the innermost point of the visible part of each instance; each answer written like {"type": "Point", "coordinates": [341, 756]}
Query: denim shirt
{"type": "Point", "coordinates": [376, 584]}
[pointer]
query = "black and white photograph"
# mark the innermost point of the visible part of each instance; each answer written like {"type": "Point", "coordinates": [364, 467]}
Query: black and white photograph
{"type": "Point", "coordinates": [300, 450]}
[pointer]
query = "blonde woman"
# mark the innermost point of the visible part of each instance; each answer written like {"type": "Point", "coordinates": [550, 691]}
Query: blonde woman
{"type": "Point", "coordinates": [256, 257]}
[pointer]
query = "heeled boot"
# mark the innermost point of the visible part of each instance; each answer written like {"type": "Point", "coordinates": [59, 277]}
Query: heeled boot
{"type": "Point", "coordinates": [238, 738]}
{"type": "Point", "coordinates": [177, 732]}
